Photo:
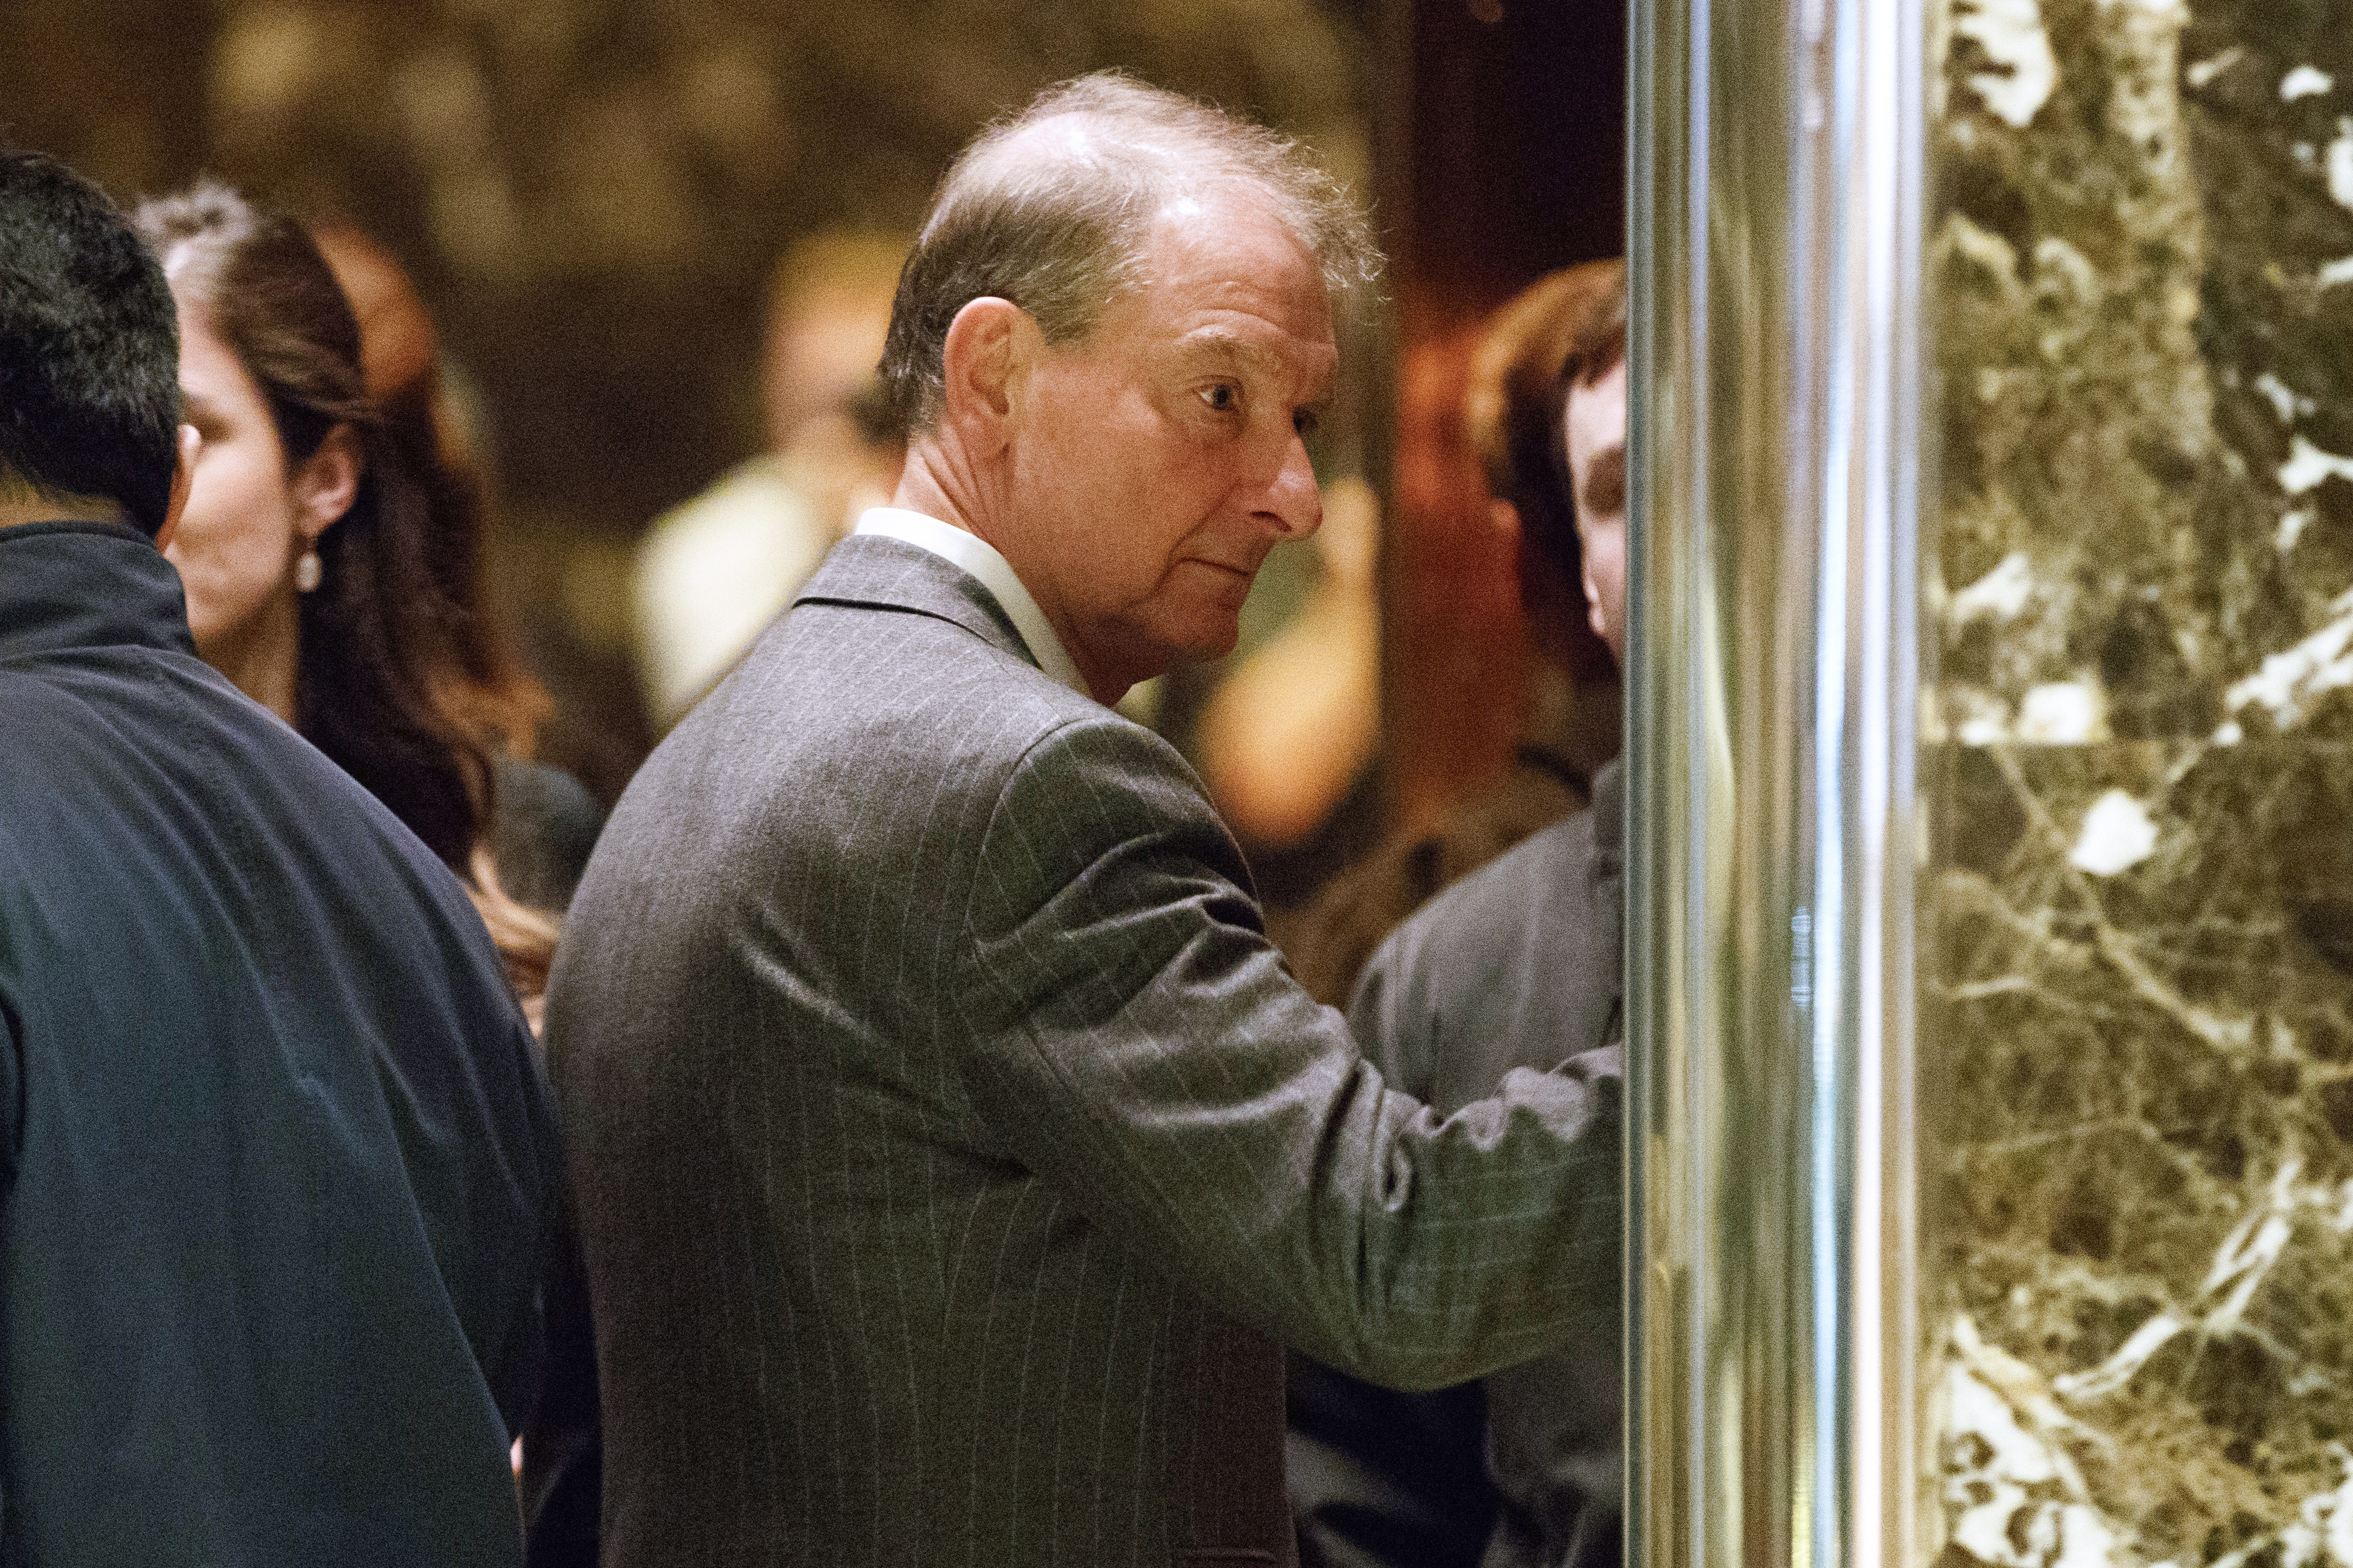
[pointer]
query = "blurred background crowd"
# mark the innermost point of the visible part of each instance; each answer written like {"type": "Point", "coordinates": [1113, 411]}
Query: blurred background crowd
{"type": "Point", "coordinates": [640, 257]}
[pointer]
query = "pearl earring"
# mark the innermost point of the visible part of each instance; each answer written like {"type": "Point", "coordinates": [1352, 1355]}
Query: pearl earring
{"type": "Point", "coordinates": [308, 571]}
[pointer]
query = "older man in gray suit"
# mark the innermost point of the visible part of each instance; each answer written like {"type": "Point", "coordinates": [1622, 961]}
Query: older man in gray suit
{"type": "Point", "coordinates": [954, 1152]}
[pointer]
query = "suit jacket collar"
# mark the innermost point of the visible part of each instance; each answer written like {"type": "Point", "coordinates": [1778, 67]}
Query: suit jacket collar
{"type": "Point", "coordinates": [977, 556]}
{"type": "Point", "coordinates": [87, 585]}
{"type": "Point", "coordinates": [874, 571]}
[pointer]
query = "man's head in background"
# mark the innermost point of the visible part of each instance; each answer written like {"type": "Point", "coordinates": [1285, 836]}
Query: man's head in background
{"type": "Point", "coordinates": [89, 357]}
{"type": "Point", "coordinates": [714, 570]}
{"type": "Point", "coordinates": [1566, 329]}
{"type": "Point", "coordinates": [1593, 428]}
{"type": "Point", "coordinates": [821, 391]}
{"type": "Point", "coordinates": [828, 310]}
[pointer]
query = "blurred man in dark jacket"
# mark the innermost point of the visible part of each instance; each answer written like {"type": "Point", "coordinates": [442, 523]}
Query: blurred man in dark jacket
{"type": "Point", "coordinates": [275, 1159]}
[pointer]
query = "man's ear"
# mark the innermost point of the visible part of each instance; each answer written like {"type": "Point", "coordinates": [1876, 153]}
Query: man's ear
{"type": "Point", "coordinates": [984, 362]}
{"type": "Point", "coordinates": [327, 482]}
{"type": "Point", "coordinates": [184, 476]}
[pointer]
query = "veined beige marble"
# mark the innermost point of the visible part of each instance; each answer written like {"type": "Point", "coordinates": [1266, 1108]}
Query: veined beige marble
{"type": "Point", "coordinates": [2138, 931]}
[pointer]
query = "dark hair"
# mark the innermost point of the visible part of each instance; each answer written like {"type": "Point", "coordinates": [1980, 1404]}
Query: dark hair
{"type": "Point", "coordinates": [1568, 328]}
{"type": "Point", "coordinates": [400, 362]}
{"type": "Point", "coordinates": [380, 683]}
{"type": "Point", "coordinates": [89, 346]}
{"type": "Point", "coordinates": [1053, 217]}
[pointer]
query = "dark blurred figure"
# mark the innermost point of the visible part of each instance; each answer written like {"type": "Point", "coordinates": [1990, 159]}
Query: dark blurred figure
{"type": "Point", "coordinates": [330, 560]}
{"type": "Point", "coordinates": [275, 1159]}
{"type": "Point", "coordinates": [1518, 964]}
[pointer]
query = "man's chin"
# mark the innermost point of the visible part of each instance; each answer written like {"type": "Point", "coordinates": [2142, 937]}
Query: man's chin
{"type": "Point", "coordinates": [1197, 638]}
{"type": "Point", "coordinates": [1213, 633]}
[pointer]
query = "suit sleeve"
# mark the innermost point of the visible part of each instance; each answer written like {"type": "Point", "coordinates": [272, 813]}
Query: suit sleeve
{"type": "Point", "coordinates": [1138, 1040]}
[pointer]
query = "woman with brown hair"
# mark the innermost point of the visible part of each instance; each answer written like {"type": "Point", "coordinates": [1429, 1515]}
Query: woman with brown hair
{"type": "Point", "coordinates": [316, 566]}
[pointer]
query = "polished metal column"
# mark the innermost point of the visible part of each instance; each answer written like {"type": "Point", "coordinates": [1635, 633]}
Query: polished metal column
{"type": "Point", "coordinates": [1777, 152]}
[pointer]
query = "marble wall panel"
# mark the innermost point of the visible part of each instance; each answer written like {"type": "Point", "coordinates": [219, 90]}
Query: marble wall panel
{"type": "Point", "coordinates": [2137, 943]}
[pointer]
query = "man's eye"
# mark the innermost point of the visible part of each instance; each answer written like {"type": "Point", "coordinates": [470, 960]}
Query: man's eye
{"type": "Point", "coordinates": [1305, 423]}
{"type": "Point", "coordinates": [1221, 397]}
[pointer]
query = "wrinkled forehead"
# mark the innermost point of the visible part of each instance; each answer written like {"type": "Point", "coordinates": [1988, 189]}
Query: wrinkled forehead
{"type": "Point", "coordinates": [1221, 285]}
{"type": "Point", "coordinates": [1208, 211]}
{"type": "Point", "coordinates": [1237, 241]}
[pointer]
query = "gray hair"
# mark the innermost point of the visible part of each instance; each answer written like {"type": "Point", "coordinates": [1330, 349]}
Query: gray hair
{"type": "Point", "coordinates": [1051, 210]}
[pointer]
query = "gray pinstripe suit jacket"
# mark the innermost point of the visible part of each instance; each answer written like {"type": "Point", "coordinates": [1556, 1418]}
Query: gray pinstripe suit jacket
{"type": "Point", "coordinates": [953, 1149]}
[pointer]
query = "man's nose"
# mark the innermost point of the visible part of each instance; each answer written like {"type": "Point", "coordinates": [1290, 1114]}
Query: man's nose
{"type": "Point", "coordinates": [1292, 500]}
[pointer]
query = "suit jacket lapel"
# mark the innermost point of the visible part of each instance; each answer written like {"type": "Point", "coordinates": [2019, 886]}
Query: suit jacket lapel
{"type": "Point", "coordinates": [873, 572]}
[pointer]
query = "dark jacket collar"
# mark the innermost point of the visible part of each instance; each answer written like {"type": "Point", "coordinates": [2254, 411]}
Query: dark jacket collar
{"type": "Point", "coordinates": [87, 585]}
{"type": "Point", "coordinates": [874, 571]}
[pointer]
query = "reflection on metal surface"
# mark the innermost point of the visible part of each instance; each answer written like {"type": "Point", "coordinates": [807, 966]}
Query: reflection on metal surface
{"type": "Point", "coordinates": [1776, 158]}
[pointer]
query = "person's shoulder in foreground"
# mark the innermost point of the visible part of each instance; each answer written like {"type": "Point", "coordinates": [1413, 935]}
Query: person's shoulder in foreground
{"type": "Point", "coordinates": [1516, 965]}
{"type": "Point", "coordinates": [275, 1161]}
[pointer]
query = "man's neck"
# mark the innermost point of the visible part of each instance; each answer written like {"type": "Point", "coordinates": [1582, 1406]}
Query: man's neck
{"type": "Point", "coordinates": [921, 489]}
{"type": "Point", "coordinates": [19, 506]}
{"type": "Point", "coordinates": [931, 485]}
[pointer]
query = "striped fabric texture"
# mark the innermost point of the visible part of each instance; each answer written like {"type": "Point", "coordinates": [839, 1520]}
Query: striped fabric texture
{"type": "Point", "coordinates": [952, 1151]}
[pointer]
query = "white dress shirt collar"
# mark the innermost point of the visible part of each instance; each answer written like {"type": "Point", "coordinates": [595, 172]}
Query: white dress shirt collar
{"type": "Point", "coordinates": [978, 557]}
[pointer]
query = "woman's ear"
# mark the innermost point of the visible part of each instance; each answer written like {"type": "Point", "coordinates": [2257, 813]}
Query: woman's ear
{"type": "Point", "coordinates": [327, 482]}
